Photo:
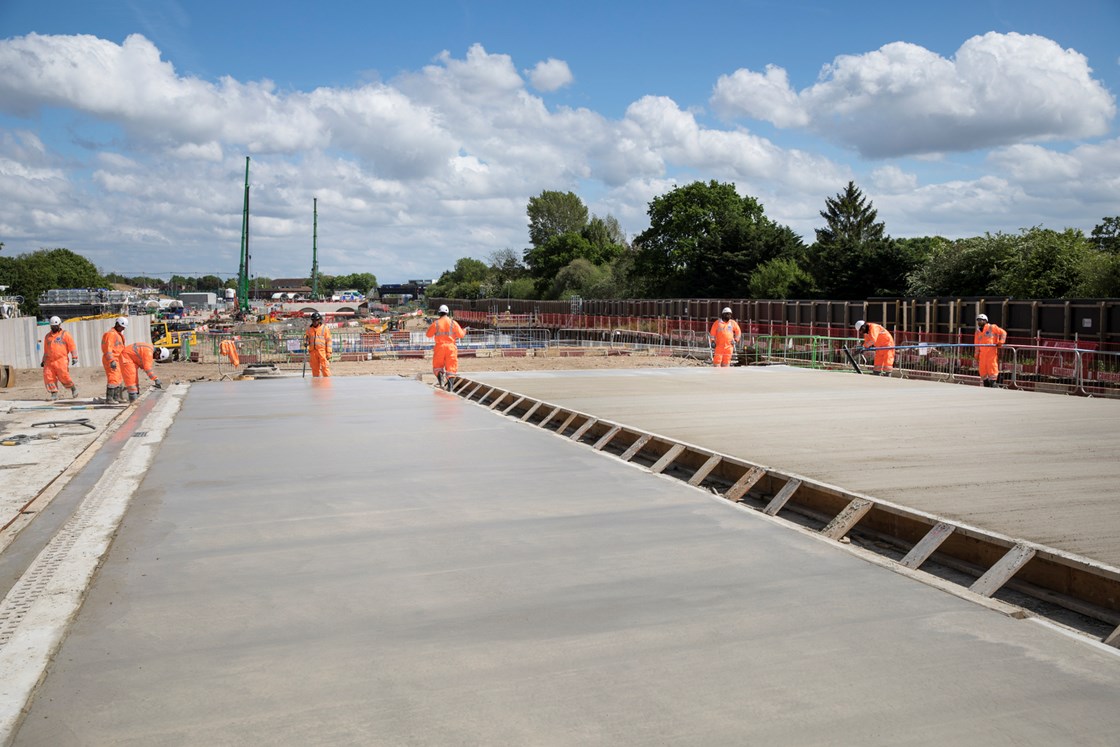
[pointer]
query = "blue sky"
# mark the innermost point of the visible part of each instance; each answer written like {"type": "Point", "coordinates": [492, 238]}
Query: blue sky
{"type": "Point", "coordinates": [423, 129]}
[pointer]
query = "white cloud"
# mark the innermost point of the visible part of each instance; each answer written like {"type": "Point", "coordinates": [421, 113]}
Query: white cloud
{"type": "Point", "coordinates": [550, 75]}
{"type": "Point", "coordinates": [438, 163]}
{"type": "Point", "coordinates": [902, 99]}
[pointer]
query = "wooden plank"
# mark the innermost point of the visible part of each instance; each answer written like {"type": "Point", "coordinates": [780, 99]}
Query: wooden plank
{"type": "Point", "coordinates": [1000, 573]}
{"type": "Point", "coordinates": [847, 518]}
{"type": "Point", "coordinates": [1113, 639]}
{"type": "Point", "coordinates": [531, 410]}
{"type": "Point", "coordinates": [606, 439]}
{"type": "Point", "coordinates": [498, 400]}
{"type": "Point", "coordinates": [584, 428]}
{"type": "Point", "coordinates": [472, 391]}
{"type": "Point", "coordinates": [928, 545]}
{"type": "Point", "coordinates": [667, 458]}
{"type": "Point", "coordinates": [551, 415]}
{"type": "Point", "coordinates": [567, 421]}
{"type": "Point", "coordinates": [778, 501]}
{"type": "Point", "coordinates": [705, 469]}
{"type": "Point", "coordinates": [749, 479]}
{"type": "Point", "coordinates": [516, 402]}
{"type": "Point", "coordinates": [635, 447]}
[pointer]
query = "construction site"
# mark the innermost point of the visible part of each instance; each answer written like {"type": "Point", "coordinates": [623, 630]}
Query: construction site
{"type": "Point", "coordinates": [592, 538]}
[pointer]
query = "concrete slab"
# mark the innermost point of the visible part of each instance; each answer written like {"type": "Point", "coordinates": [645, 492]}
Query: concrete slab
{"type": "Point", "coordinates": [1039, 467]}
{"type": "Point", "coordinates": [370, 561]}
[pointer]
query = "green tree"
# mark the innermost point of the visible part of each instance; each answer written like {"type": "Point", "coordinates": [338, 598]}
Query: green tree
{"type": "Point", "coordinates": [965, 267]}
{"type": "Point", "coordinates": [577, 279]}
{"type": "Point", "coordinates": [466, 280]}
{"type": "Point", "coordinates": [706, 240]}
{"type": "Point", "coordinates": [29, 275]}
{"type": "Point", "coordinates": [506, 266]}
{"type": "Point", "coordinates": [209, 283]}
{"type": "Point", "coordinates": [780, 278]}
{"type": "Point", "coordinates": [554, 213]}
{"type": "Point", "coordinates": [1099, 276]}
{"type": "Point", "coordinates": [1106, 235]}
{"type": "Point", "coordinates": [1045, 264]}
{"type": "Point", "coordinates": [853, 258]}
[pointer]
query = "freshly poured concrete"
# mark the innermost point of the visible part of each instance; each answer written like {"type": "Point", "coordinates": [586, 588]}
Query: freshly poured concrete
{"type": "Point", "coordinates": [370, 561]}
{"type": "Point", "coordinates": [1040, 467]}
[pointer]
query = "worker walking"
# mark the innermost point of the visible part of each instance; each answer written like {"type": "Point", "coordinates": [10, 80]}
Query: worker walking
{"type": "Point", "coordinates": [318, 340]}
{"type": "Point", "coordinates": [112, 342]}
{"type": "Point", "coordinates": [726, 333]}
{"type": "Point", "coordinates": [876, 338]}
{"type": "Point", "coordinates": [59, 353]}
{"type": "Point", "coordinates": [228, 348]}
{"type": "Point", "coordinates": [989, 340]}
{"type": "Point", "coordinates": [139, 356]}
{"type": "Point", "coordinates": [445, 356]}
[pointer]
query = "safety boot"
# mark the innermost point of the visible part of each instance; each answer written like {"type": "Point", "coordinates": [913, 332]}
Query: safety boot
{"type": "Point", "coordinates": [74, 392]}
{"type": "Point", "coordinates": [120, 394]}
{"type": "Point", "coordinates": [132, 397]}
{"type": "Point", "coordinates": [110, 394]}
{"type": "Point", "coordinates": [53, 397]}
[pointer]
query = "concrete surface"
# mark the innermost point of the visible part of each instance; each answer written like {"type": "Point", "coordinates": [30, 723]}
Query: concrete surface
{"type": "Point", "coordinates": [370, 561]}
{"type": "Point", "coordinates": [1040, 467]}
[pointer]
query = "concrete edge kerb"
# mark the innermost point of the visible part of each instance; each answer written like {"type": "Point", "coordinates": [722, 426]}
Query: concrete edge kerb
{"type": "Point", "coordinates": [36, 612]}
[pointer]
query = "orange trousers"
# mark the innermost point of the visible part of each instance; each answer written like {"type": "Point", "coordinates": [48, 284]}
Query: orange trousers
{"type": "Point", "coordinates": [320, 363]}
{"type": "Point", "coordinates": [113, 376]}
{"type": "Point", "coordinates": [722, 354]}
{"type": "Point", "coordinates": [988, 358]}
{"type": "Point", "coordinates": [56, 372]}
{"type": "Point", "coordinates": [445, 358]}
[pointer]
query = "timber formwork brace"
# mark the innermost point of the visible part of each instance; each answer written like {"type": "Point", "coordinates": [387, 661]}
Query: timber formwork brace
{"type": "Point", "coordinates": [989, 563]}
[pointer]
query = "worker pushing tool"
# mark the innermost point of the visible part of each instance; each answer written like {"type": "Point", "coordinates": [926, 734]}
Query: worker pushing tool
{"type": "Point", "coordinates": [139, 356]}
{"type": "Point", "coordinates": [112, 342]}
{"type": "Point", "coordinates": [59, 353]}
{"type": "Point", "coordinates": [445, 356]}
{"type": "Point", "coordinates": [318, 341]}
{"type": "Point", "coordinates": [878, 340]}
{"type": "Point", "coordinates": [726, 333]}
{"type": "Point", "coordinates": [989, 340]}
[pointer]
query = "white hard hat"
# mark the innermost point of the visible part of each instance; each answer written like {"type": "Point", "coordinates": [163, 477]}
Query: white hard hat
{"type": "Point", "coordinates": [726, 310]}
{"type": "Point", "coordinates": [859, 325]}
{"type": "Point", "coordinates": [443, 309]}
{"type": "Point", "coordinates": [122, 321]}
{"type": "Point", "coordinates": [979, 318]}
{"type": "Point", "coordinates": [55, 321]}
{"type": "Point", "coordinates": [163, 353]}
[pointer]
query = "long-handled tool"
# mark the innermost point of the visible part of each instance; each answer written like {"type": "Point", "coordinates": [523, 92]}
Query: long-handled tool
{"type": "Point", "coordinates": [852, 360]}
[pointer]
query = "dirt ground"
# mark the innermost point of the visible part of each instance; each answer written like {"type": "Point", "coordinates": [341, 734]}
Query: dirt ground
{"type": "Point", "coordinates": [28, 382]}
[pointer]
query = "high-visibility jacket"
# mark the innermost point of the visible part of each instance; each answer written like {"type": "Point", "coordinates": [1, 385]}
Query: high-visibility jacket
{"type": "Point", "coordinates": [112, 342]}
{"type": "Point", "coordinates": [878, 337]}
{"type": "Point", "coordinates": [228, 348]}
{"type": "Point", "coordinates": [445, 331]}
{"type": "Point", "coordinates": [319, 340]}
{"type": "Point", "coordinates": [725, 333]}
{"type": "Point", "coordinates": [988, 340]}
{"type": "Point", "coordinates": [59, 346]}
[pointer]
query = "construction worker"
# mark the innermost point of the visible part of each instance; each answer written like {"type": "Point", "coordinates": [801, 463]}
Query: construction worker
{"type": "Point", "coordinates": [112, 342]}
{"type": "Point", "coordinates": [139, 356]}
{"type": "Point", "coordinates": [59, 353]}
{"type": "Point", "coordinates": [228, 348]}
{"type": "Point", "coordinates": [726, 333]}
{"type": "Point", "coordinates": [989, 340]}
{"type": "Point", "coordinates": [445, 356]}
{"type": "Point", "coordinates": [318, 340]}
{"type": "Point", "coordinates": [876, 338]}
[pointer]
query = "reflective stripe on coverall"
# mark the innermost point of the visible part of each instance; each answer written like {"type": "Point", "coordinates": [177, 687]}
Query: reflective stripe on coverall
{"type": "Point", "coordinates": [228, 348]}
{"type": "Point", "coordinates": [58, 349]}
{"type": "Point", "coordinates": [319, 350]}
{"type": "Point", "coordinates": [878, 337]}
{"type": "Point", "coordinates": [112, 342]}
{"type": "Point", "coordinates": [445, 356]}
{"type": "Point", "coordinates": [727, 335]}
{"type": "Point", "coordinates": [988, 341]}
{"type": "Point", "coordinates": [139, 356]}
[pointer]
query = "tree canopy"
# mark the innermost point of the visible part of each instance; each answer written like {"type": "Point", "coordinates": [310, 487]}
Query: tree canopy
{"type": "Point", "coordinates": [31, 274]}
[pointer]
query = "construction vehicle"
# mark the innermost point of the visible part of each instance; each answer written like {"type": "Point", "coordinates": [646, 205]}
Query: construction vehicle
{"type": "Point", "coordinates": [172, 335]}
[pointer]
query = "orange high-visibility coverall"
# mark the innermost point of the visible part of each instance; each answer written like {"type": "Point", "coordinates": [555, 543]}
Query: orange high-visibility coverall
{"type": "Point", "coordinates": [727, 335]}
{"type": "Point", "coordinates": [319, 350]}
{"type": "Point", "coordinates": [878, 337]}
{"type": "Point", "coordinates": [988, 341]}
{"type": "Point", "coordinates": [112, 342]}
{"type": "Point", "coordinates": [139, 356]}
{"type": "Point", "coordinates": [445, 356]}
{"type": "Point", "coordinates": [228, 348]}
{"type": "Point", "coordinates": [58, 351]}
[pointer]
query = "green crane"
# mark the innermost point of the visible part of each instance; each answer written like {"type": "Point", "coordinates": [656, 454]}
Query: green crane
{"type": "Point", "coordinates": [243, 271]}
{"type": "Point", "coordinates": [315, 249]}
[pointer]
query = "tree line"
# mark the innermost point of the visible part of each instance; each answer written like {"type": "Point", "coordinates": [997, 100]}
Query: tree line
{"type": "Point", "coordinates": [29, 275]}
{"type": "Point", "coordinates": [707, 241]}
